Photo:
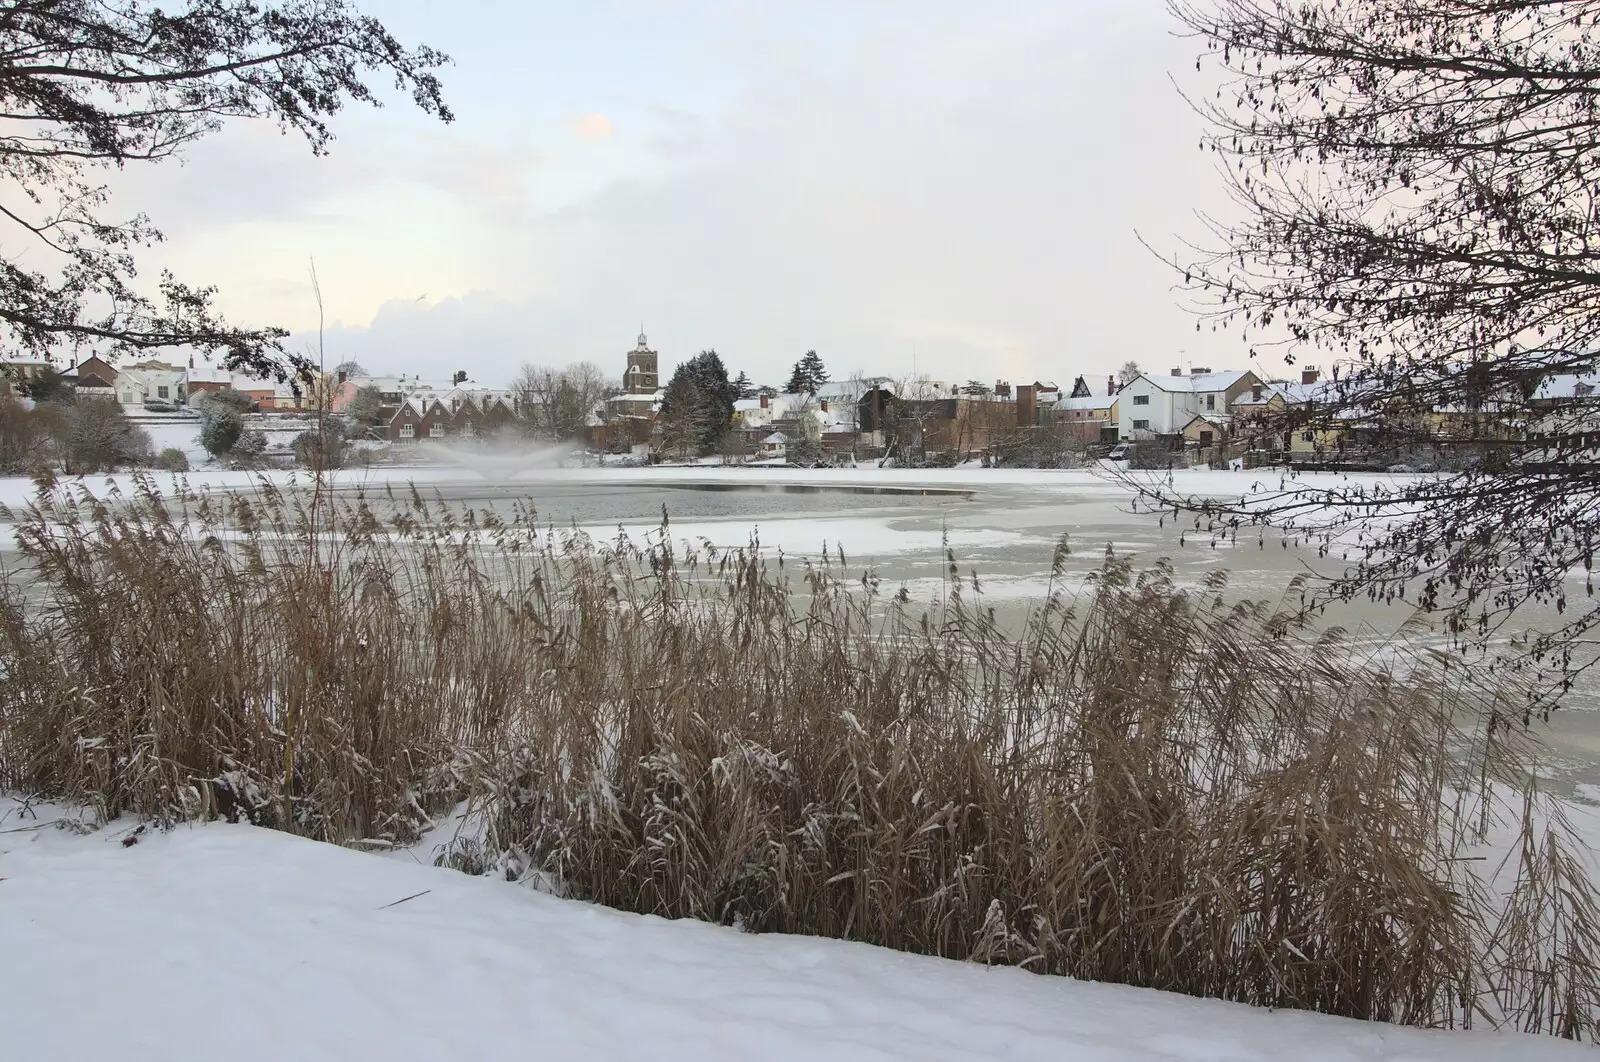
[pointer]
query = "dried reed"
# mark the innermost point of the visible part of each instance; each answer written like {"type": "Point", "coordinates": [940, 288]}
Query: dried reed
{"type": "Point", "coordinates": [1145, 785]}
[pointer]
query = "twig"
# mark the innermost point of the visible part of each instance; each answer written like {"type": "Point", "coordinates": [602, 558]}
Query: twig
{"type": "Point", "coordinates": [403, 899]}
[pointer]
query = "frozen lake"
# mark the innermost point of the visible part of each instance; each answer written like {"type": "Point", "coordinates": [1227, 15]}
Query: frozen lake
{"type": "Point", "coordinates": [1002, 525]}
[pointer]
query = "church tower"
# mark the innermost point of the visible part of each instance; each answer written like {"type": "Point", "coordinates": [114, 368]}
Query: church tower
{"type": "Point", "coordinates": [643, 375]}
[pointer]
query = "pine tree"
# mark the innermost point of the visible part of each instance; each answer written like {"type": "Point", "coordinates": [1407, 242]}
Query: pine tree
{"type": "Point", "coordinates": [743, 387]}
{"type": "Point", "coordinates": [808, 375]}
{"type": "Point", "coordinates": [814, 371]}
{"type": "Point", "coordinates": [698, 403]}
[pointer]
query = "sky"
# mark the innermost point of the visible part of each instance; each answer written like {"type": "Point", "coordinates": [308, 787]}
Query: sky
{"type": "Point", "coordinates": [945, 188]}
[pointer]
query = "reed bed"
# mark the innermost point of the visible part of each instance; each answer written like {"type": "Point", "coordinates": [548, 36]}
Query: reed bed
{"type": "Point", "coordinates": [1145, 784]}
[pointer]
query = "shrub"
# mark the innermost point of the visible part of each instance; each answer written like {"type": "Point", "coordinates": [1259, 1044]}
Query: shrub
{"type": "Point", "coordinates": [172, 459]}
{"type": "Point", "coordinates": [225, 399]}
{"type": "Point", "coordinates": [95, 435]}
{"type": "Point", "coordinates": [323, 447]}
{"type": "Point", "coordinates": [220, 429]}
{"type": "Point", "coordinates": [251, 445]}
{"type": "Point", "coordinates": [1148, 786]}
{"type": "Point", "coordinates": [24, 438]}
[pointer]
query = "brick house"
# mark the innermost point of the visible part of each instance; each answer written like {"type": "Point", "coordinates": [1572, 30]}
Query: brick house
{"type": "Point", "coordinates": [498, 413]}
{"type": "Point", "coordinates": [466, 419]}
{"type": "Point", "coordinates": [419, 418]}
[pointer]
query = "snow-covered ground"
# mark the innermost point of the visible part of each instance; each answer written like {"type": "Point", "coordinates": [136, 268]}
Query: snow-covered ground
{"type": "Point", "coordinates": [231, 942]}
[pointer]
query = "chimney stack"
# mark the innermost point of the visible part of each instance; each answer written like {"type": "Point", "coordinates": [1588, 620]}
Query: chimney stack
{"type": "Point", "coordinates": [1177, 370]}
{"type": "Point", "coordinates": [764, 400]}
{"type": "Point", "coordinates": [824, 405]}
{"type": "Point", "coordinates": [1255, 392]}
{"type": "Point", "coordinates": [1111, 386]}
{"type": "Point", "coordinates": [1308, 376]}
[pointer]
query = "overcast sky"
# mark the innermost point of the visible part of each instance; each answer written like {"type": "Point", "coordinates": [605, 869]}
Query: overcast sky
{"type": "Point", "coordinates": [946, 185]}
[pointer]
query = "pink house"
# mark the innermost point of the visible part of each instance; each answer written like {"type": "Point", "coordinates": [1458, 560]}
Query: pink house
{"type": "Point", "coordinates": [343, 393]}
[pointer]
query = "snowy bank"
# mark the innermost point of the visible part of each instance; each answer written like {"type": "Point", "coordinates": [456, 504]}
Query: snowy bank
{"type": "Point", "coordinates": [240, 943]}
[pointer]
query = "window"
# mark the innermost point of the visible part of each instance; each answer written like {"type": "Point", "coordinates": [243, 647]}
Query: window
{"type": "Point", "coordinates": [408, 431]}
{"type": "Point", "coordinates": [1211, 401]}
{"type": "Point", "coordinates": [161, 392]}
{"type": "Point", "coordinates": [1308, 437]}
{"type": "Point", "coordinates": [468, 429]}
{"type": "Point", "coordinates": [1205, 438]}
{"type": "Point", "coordinates": [1141, 425]}
{"type": "Point", "coordinates": [437, 431]}
{"type": "Point", "coordinates": [1141, 400]}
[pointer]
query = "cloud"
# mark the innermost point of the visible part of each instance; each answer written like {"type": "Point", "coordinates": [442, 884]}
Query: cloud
{"type": "Point", "coordinates": [952, 191]}
{"type": "Point", "coordinates": [592, 127]}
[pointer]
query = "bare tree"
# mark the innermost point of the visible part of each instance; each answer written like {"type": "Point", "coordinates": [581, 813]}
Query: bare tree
{"type": "Point", "coordinates": [912, 417]}
{"type": "Point", "coordinates": [558, 404]}
{"type": "Point", "coordinates": [1129, 372]}
{"type": "Point", "coordinates": [1416, 184]}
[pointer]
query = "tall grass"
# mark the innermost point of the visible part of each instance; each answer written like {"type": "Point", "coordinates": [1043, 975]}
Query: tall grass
{"type": "Point", "coordinates": [1145, 784]}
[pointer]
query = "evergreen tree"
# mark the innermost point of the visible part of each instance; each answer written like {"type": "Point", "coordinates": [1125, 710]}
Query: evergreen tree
{"type": "Point", "coordinates": [220, 430]}
{"type": "Point", "coordinates": [814, 370]}
{"type": "Point", "coordinates": [743, 387]}
{"type": "Point", "coordinates": [808, 375]}
{"type": "Point", "coordinates": [49, 385]}
{"type": "Point", "coordinates": [698, 403]}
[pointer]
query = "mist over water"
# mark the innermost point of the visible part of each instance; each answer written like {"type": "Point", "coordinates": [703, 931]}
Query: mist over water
{"type": "Point", "coordinates": [500, 461]}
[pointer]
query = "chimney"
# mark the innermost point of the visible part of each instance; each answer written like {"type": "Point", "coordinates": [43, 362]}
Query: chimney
{"type": "Point", "coordinates": [1177, 370]}
{"type": "Point", "coordinates": [343, 376]}
{"type": "Point", "coordinates": [1255, 392]}
{"type": "Point", "coordinates": [824, 405]}
{"type": "Point", "coordinates": [1111, 386]}
{"type": "Point", "coordinates": [764, 400]}
{"type": "Point", "coordinates": [1308, 376]}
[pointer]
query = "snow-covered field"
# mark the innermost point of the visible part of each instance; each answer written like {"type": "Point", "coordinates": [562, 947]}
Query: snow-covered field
{"type": "Point", "coordinates": [230, 942]}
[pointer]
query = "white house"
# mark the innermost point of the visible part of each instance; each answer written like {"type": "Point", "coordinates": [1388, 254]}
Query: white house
{"type": "Point", "coordinates": [1151, 406]}
{"type": "Point", "coordinates": [150, 381]}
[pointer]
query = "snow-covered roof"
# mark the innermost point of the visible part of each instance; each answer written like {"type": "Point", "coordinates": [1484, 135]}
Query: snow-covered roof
{"type": "Point", "coordinates": [775, 438]}
{"type": "Point", "coordinates": [1293, 392]}
{"type": "Point", "coordinates": [745, 405]}
{"type": "Point", "coordinates": [1085, 402]}
{"type": "Point", "coordinates": [382, 383]}
{"type": "Point", "coordinates": [627, 397]}
{"type": "Point", "coordinates": [1199, 382]}
{"type": "Point", "coordinates": [1568, 386]}
{"type": "Point", "coordinates": [210, 374]}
